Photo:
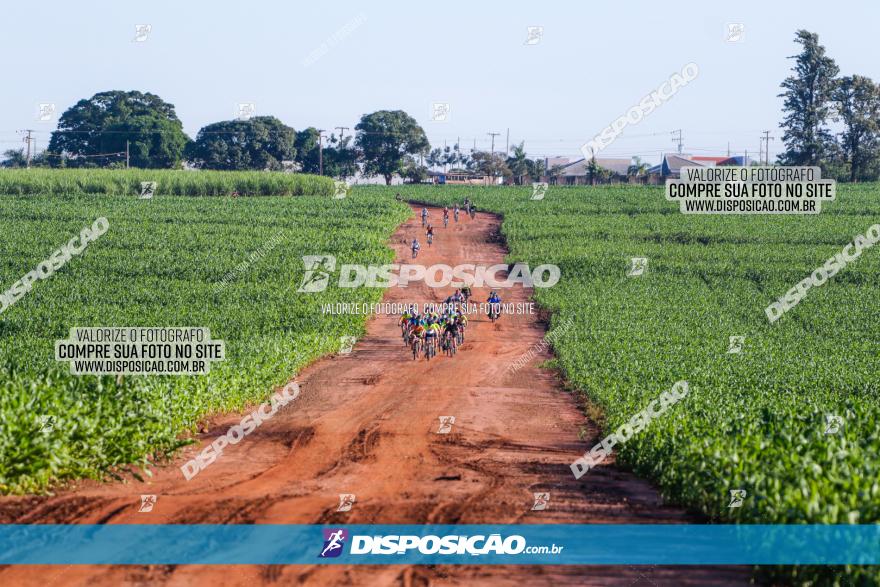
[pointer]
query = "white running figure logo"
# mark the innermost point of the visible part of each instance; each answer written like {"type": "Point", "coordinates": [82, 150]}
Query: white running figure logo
{"type": "Point", "coordinates": [334, 542]}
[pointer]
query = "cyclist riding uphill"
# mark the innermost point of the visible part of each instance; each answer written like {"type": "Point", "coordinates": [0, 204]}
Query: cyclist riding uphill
{"type": "Point", "coordinates": [415, 247]}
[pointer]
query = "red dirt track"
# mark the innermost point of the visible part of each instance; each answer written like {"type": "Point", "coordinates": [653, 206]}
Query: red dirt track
{"type": "Point", "coordinates": [366, 423]}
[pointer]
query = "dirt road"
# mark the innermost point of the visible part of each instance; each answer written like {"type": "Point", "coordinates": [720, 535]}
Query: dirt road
{"type": "Point", "coordinates": [366, 424]}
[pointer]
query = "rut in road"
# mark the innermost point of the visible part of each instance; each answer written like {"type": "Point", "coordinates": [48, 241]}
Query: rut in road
{"type": "Point", "coordinates": [366, 424]}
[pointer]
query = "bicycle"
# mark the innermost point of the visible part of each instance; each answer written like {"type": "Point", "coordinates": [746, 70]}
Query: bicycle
{"type": "Point", "coordinates": [430, 347]}
{"type": "Point", "coordinates": [430, 239]}
{"type": "Point", "coordinates": [456, 215]}
{"type": "Point", "coordinates": [445, 221]}
{"type": "Point", "coordinates": [451, 344]}
{"type": "Point", "coordinates": [494, 311]}
{"type": "Point", "coordinates": [416, 345]}
{"type": "Point", "coordinates": [415, 253]}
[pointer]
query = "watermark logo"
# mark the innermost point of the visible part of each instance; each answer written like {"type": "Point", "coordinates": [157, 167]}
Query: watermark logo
{"type": "Point", "coordinates": [142, 32]}
{"type": "Point", "coordinates": [833, 424]}
{"type": "Point", "coordinates": [542, 500]}
{"type": "Point", "coordinates": [346, 344]}
{"type": "Point", "coordinates": [148, 190]}
{"type": "Point", "coordinates": [822, 274]}
{"type": "Point", "coordinates": [147, 503]}
{"type": "Point", "coordinates": [446, 423]}
{"type": "Point", "coordinates": [245, 110]}
{"type": "Point", "coordinates": [318, 269]}
{"type": "Point", "coordinates": [735, 32]}
{"type": "Point", "coordinates": [45, 111]}
{"type": "Point", "coordinates": [440, 112]}
{"type": "Point", "coordinates": [346, 501]}
{"type": "Point", "coordinates": [645, 107]}
{"type": "Point", "coordinates": [236, 434]}
{"type": "Point", "coordinates": [56, 261]}
{"type": "Point", "coordinates": [334, 542]}
{"type": "Point", "coordinates": [534, 34]}
{"type": "Point", "coordinates": [736, 498]}
{"type": "Point", "coordinates": [539, 190]}
{"type": "Point", "coordinates": [626, 431]}
{"type": "Point", "coordinates": [340, 189]}
{"type": "Point", "coordinates": [47, 423]}
{"type": "Point", "coordinates": [735, 344]}
{"type": "Point", "coordinates": [317, 276]}
{"type": "Point", "coordinates": [638, 267]}
{"type": "Point", "coordinates": [334, 39]}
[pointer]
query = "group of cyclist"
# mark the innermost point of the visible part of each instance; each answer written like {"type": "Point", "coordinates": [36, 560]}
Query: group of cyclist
{"type": "Point", "coordinates": [428, 333]}
{"type": "Point", "coordinates": [467, 207]}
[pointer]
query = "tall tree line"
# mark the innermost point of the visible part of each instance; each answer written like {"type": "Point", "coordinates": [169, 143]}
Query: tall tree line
{"type": "Point", "coordinates": [815, 96]}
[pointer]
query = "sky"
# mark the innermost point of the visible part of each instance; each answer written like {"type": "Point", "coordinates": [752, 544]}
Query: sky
{"type": "Point", "coordinates": [326, 64]}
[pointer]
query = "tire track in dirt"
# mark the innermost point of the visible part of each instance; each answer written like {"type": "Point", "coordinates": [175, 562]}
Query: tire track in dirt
{"type": "Point", "coordinates": [365, 423]}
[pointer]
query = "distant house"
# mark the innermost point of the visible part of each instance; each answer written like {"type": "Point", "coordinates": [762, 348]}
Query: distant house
{"type": "Point", "coordinates": [460, 177]}
{"type": "Point", "coordinates": [738, 161]}
{"type": "Point", "coordinates": [708, 161]}
{"type": "Point", "coordinates": [672, 163]}
{"type": "Point", "coordinates": [577, 173]}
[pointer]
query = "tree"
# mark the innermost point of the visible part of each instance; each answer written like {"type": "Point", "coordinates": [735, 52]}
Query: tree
{"type": "Point", "coordinates": [857, 101]}
{"type": "Point", "coordinates": [518, 163]}
{"type": "Point", "coordinates": [537, 168]}
{"type": "Point", "coordinates": [808, 94]}
{"type": "Point", "coordinates": [340, 158]}
{"type": "Point", "coordinates": [412, 171]}
{"type": "Point", "coordinates": [260, 143]}
{"type": "Point", "coordinates": [385, 138]}
{"type": "Point", "coordinates": [14, 158]}
{"type": "Point", "coordinates": [594, 170]}
{"type": "Point", "coordinates": [436, 158]}
{"type": "Point", "coordinates": [307, 150]}
{"type": "Point", "coordinates": [637, 169]}
{"type": "Point", "coordinates": [93, 132]}
{"type": "Point", "coordinates": [490, 164]}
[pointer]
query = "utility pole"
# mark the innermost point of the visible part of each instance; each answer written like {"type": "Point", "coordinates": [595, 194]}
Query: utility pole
{"type": "Point", "coordinates": [341, 130]}
{"type": "Point", "coordinates": [493, 135]}
{"type": "Point", "coordinates": [320, 151]}
{"type": "Point", "coordinates": [677, 139]}
{"type": "Point", "coordinates": [126, 154]}
{"type": "Point", "coordinates": [507, 144]}
{"type": "Point", "coordinates": [28, 140]}
{"type": "Point", "coordinates": [767, 138]}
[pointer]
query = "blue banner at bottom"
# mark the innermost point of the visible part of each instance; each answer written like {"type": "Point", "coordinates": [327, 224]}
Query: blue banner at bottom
{"type": "Point", "coordinates": [524, 544]}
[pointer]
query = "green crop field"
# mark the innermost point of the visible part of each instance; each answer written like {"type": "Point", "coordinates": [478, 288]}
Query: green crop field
{"type": "Point", "coordinates": [231, 264]}
{"type": "Point", "coordinates": [72, 182]}
{"type": "Point", "coordinates": [756, 420]}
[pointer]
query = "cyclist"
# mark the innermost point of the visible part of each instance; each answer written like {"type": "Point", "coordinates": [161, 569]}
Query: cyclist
{"type": "Point", "coordinates": [495, 305]}
{"type": "Point", "coordinates": [455, 212]}
{"type": "Point", "coordinates": [473, 211]}
{"type": "Point", "coordinates": [430, 234]}
{"type": "Point", "coordinates": [466, 293]}
{"type": "Point", "coordinates": [450, 333]}
{"type": "Point", "coordinates": [417, 337]}
{"type": "Point", "coordinates": [415, 246]}
{"type": "Point", "coordinates": [432, 334]}
{"type": "Point", "coordinates": [424, 216]}
{"type": "Point", "coordinates": [445, 216]}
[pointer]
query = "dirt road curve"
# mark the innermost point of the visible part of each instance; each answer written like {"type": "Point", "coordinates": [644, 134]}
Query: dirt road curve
{"type": "Point", "coordinates": [366, 423]}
